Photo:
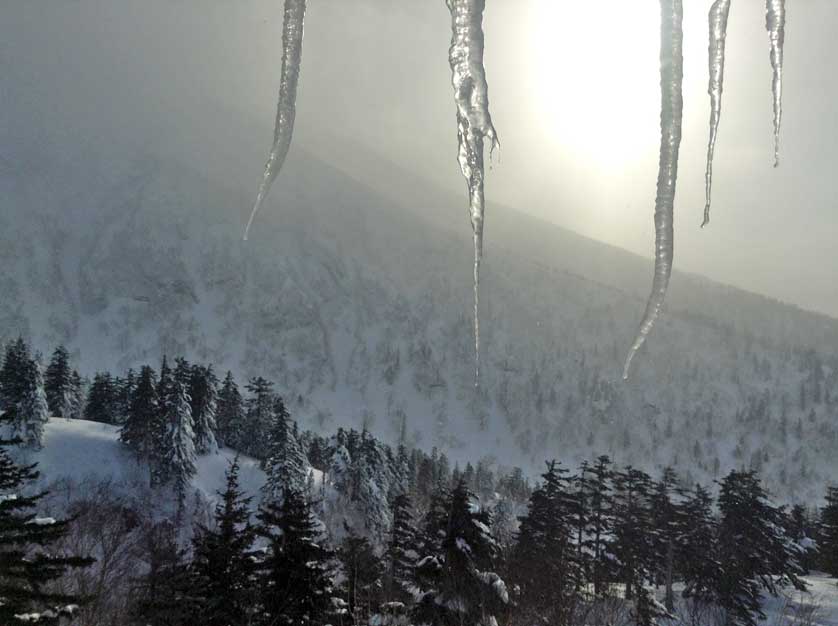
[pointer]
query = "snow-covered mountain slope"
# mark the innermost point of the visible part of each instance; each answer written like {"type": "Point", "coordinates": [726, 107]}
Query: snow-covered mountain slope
{"type": "Point", "coordinates": [358, 306]}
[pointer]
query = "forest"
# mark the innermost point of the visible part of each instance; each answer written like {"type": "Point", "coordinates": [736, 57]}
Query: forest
{"type": "Point", "coordinates": [348, 529]}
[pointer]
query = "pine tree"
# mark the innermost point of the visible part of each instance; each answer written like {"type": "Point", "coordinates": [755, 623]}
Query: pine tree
{"type": "Point", "coordinates": [828, 533]}
{"type": "Point", "coordinates": [124, 389]}
{"type": "Point", "coordinates": [203, 394]}
{"type": "Point", "coordinates": [28, 565]}
{"type": "Point", "coordinates": [101, 399]}
{"type": "Point", "coordinates": [696, 552]}
{"type": "Point", "coordinates": [295, 578]}
{"type": "Point", "coordinates": [402, 551]}
{"type": "Point", "coordinates": [285, 464]}
{"type": "Point", "coordinates": [223, 562]}
{"type": "Point", "coordinates": [598, 496]}
{"type": "Point", "coordinates": [77, 396]}
{"type": "Point", "coordinates": [669, 524]}
{"type": "Point", "coordinates": [457, 580]}
{"type": "Point", "coordinates": [230, 414]}
{"type": "Point", "coordinates": [544, 561]}
{"type": "Point", "coordinates": [58, 384]}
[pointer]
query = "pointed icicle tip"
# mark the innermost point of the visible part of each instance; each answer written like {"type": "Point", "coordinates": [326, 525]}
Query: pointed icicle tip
{"type": "Point", "coordinates": [717, 21]}
{"type": "Point", "coordinates": [671, 72]}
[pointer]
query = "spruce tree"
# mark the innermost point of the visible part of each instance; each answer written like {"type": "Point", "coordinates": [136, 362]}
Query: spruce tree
{"type": "Point", "coordinates": [669, 526]}
{"type": "Point", "coordinates": [32, 412]}
{"type": "Point", "coordinates": [544, 561]}
{"type": "Point", "coordinates": [362, 574]}
{"type": "Point", "coordinates": [77, 396]}
{"type": "Point", "coordinates": [141, 429]}
{"type": "Point", "coordinates": [459, 586]}
{"type": "Point", "coordinates": [295, 581]}
{"type": "Point", "coordinates": [223, 560]}
{"type": "Point", "coordinates": [203, 394]}
{"type": "Point", "coordinates": [755, 554]}
{"type": "Point", "coordinates": [58, 383]}
{"type": "Point", "coordinates": [28, 563]}
{"type": "Point", "coordinates": [633, 530]}
{"type": "Point", "coordinates": [13, 384]}
{"type": "Point", "coordinates": [285, 465]}
{"type": "Point", "coordinates": [828, 533]}
{"type": "Point", "coordinates": [101, 399]}
{"type": "Point", "coordinates": [402, 551]}
{"type": "Point", "coordinates": [697, 551]}
{"type": "Point", "coordinates": [598, 495]}
{"type": "Point", "coordinates": [259, 410]}
{"type": "Point", "coordinates": [178, 460]}
{"type": "Point", "coordinates": [230, 414]}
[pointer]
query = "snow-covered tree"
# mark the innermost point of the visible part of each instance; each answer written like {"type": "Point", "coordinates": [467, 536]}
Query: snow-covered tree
{"type": "Point", "coordinates": [179, 453]}
{"type": "Point", "coordinates": [259, 411]}
{"type": "Point", "coordinates": [285, 464]}
{"type": "Point", "coordinates": [101, 399]}
{"type": "Point", "coordinates": [230, 414]}
{"type": "Point", "coordinates": [58, 383]}
{"type": "Point", "coordinates": [223, 560]}
{"type": "Point", "coordinates": [142, 431]}
{"type": "Point", "coordinates": [32, 411]}
{"type": "Point", "coordinates": [203, 394]}
{"type": "Point", "coordinates": [295, 578]}
{"type": "Point", "coordinates": [402, 552]}
{"type": "Point", "coordinates": [828, 533]}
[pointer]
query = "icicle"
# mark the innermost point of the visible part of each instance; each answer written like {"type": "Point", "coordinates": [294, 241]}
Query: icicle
{"type": "Point", "coordinates": [775, 24]}
{"type": "Point", "coordinates": [718, 31]}
{"type": "Point", "coordinates": [474, 124]}
{"type": "Point", "coordinates": [292, 48]}
{"type": "Point", "coordinates": [671, 61]}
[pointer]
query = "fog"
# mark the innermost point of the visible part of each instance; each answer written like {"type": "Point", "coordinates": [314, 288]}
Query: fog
{"type": "Point", "coordinates": [197, 80]}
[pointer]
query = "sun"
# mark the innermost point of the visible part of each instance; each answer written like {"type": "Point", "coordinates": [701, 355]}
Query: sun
{"type": "Point", "coordinates": [595, 78]}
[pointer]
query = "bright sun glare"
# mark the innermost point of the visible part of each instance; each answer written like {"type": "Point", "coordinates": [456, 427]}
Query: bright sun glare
{"type": "Point", "coordinates": [603, 104]}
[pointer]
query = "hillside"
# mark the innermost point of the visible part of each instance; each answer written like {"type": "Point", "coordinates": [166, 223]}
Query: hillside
{"type": "Point", "coordinates": [357, 306]}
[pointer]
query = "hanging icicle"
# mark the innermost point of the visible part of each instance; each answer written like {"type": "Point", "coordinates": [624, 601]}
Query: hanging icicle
{"type": "Point", "coordinates": [775, 24]}
{"type": "Point", "coordinates": [717, 19]}
{"type": "Point", "coordinates": [672, 71]}
{"type": "Point", "coordinates": [292, 49]}
{"type": "Point", "coordinates": [474, 124]}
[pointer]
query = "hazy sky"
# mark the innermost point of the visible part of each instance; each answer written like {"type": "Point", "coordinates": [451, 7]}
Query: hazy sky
{"type": "Point", "coordinates": [573, 92]}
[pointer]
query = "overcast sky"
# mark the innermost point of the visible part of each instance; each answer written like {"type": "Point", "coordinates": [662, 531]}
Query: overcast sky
{"type": "Point", "coordinates": [573, 92]}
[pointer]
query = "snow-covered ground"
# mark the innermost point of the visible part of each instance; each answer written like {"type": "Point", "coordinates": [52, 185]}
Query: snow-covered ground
{"type": "Point", "coordinates": [816, 607]}
{"type": "Point", "coordinates": [81, 450]}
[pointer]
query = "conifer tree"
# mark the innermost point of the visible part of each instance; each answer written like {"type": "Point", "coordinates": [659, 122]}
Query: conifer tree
{"type": "Point", "coordinates": [285, 464]}
{"type": "Point", "coordinates": [633, 530]}
{"type": "Point", "coordinates": [178, 462]}
{"type": "Point", "coordinates": [101, 399]}
{"type": "Point", "coordinates": [141, 430]}
{"type": "Point", "coordinates": [223, 560]}
{"type": "Point", "coordinates": [13, 385]}
{"type": "Point", "coordinates": [259, 409]}
{"type": "Point", "coordinates": [697, 551]}
{"type": "Point", "coordinates": [230, 414]}
{"type": "Point", "coordinates": [544, 561]}
{"type": "Point", "coordinates": [402, 551]}
{"type": "Point", "coordinates": [755, 554]}
{"type": "Point", "coordinates": [669, 523]}
{"type": "Point", "coordinates": [598, 496]}
{"type": "Point", "coordinates": [295, 581]}
{"type": "Point", "coordinates": [77, 396]}
{"type": "Point", "coordinates": [28, 563]}
{"type": "Point", "coordinates": [58, 383]}
{"type": "Point", "coordinates": [362, 575]}
{"type": "Point", "coordinates": [32, 412]}
{"type": "Point", "coordinates": [459, 586]}
{"type": "Point", "coordinates": [828, 533]}
{"type": "Point", "coordinates": [203, 394]}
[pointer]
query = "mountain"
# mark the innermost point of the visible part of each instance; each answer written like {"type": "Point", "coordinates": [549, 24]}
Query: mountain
{"type": "Point", "coordinates": [357, 304]}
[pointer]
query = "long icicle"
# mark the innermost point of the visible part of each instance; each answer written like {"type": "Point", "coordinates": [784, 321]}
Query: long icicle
{"type": "Point", "coordinates": [717, 19]}
{"type": "Point", "coordinates": [672, 73]}
{"type": "Point", "coordinates": [775, 24]}
{"type": "Point", "coordinates": [286, 110]}
{"type": "Point", "coordinates": [474, 124]}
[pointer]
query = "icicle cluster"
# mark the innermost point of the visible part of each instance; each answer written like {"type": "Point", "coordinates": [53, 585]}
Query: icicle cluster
{"type": "Point", "coordinates": [716, 50]}
{"type": "Point", "coordinates": [775, 24]}
{"type": "Point", "coordinates": [292, 48]}
{"type": "Point", "coordinates": [474, 124]}
{"type": "Point", "coordinates": [672, 72]}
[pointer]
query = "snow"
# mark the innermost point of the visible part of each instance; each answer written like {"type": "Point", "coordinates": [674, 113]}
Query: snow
{"type": "Point", "coordinates": [81, 450]}
{"type": "Point", "coordinates": [43, 521]}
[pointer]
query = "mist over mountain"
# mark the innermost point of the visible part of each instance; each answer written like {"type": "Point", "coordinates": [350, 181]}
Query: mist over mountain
{"type": "Point", "coordinates": [357, 304]}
